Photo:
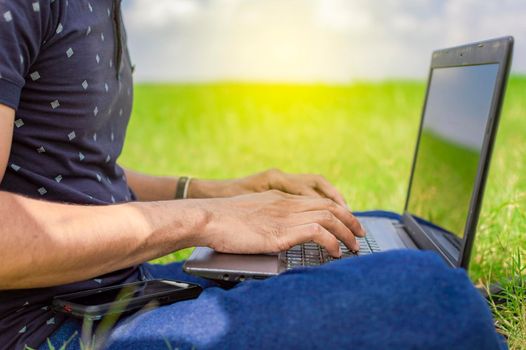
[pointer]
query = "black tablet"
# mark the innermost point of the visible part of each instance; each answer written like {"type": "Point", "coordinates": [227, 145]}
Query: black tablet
{"type": "Point", "coordinates": [94, 304]}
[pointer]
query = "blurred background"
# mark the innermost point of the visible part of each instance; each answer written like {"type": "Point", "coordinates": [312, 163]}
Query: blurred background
{"type": "Point", "coordinates": [333, 41]}
{"type": "Point", "coordinates": [226, 88]}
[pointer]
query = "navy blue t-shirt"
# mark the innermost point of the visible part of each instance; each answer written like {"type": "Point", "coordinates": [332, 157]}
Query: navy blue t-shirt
{"type": "Point", "coordinates": [65, 68]}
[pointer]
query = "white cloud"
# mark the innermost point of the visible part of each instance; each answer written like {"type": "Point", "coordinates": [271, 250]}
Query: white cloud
{"type": "Point", "coordinates": [165, 11]}
{"type": "Point", "coordinates": [344, 15]}
{"type": "Point", "coordinates": [309, 40]}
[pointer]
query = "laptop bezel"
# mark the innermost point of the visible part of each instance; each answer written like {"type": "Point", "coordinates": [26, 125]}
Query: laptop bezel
{"type": "Point", "coordinates": [495, 51]}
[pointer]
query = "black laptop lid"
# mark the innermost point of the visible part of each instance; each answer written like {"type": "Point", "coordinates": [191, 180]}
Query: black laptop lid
{"type": "Point", "coordinates": [460, 117]}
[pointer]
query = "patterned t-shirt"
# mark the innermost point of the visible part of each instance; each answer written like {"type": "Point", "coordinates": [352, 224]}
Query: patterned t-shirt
{"type": "Point", "coordinates": [65, 68]}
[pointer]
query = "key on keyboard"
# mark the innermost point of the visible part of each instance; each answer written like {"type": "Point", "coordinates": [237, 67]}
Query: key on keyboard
{"type": "Point", "coordinates": [312, 254]}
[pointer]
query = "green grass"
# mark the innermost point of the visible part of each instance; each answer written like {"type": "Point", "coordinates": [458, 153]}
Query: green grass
{"type": "Point", "coordinates": [361, 137]}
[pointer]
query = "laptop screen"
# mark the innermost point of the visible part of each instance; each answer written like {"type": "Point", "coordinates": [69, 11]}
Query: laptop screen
{"type": "Point", "coordinates": [445, 170]}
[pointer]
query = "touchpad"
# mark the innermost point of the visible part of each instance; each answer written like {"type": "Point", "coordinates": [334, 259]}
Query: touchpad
{"type": "Point", "coordinates": [206, 258]}
{"type": "Point", "coordinates": [384, 232]}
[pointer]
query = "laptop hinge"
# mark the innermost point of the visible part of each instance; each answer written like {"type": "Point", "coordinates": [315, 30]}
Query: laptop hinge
{"type": "Point", "coordinates": [423, 240]}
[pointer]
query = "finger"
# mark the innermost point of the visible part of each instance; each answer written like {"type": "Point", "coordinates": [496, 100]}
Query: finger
{"type": "Point", "coordinates": [300, 190]}
{"type": "Point", "coordinates": [331, 223]}
{"type": "Point", "coordinates": [313, 232]}
{"type": "Point", "coordinates": [349, 220]}
{"type": "Point", "coordinates": [278, 193]}
{"type": "Point", "coordinates": [328, 190]}
{"type": "Point", "coordinates": [345, 216]}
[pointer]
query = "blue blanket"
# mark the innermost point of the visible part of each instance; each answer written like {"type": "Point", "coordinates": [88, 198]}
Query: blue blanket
{"type": "Point", "coordinates": [394, 300]}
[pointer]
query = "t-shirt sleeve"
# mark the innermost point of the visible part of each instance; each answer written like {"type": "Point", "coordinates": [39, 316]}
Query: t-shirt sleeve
{"type": "Point", "coordinates": [23, 25]}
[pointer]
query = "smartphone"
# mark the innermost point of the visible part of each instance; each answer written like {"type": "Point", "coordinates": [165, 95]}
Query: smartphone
{"type": "Point", "coordinates": [94, 304]}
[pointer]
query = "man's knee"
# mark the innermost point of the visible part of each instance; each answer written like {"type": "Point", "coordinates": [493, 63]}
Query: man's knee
{"type": "Point", "coordinates": [403, 275]}
{"type": "Point", "coordinates": [404, 292]}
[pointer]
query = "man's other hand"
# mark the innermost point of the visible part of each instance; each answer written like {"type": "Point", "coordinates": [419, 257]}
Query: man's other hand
{"type": "Point", "coordinates": [302, 185]}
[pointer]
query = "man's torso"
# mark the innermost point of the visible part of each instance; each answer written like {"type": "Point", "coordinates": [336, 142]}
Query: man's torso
{"type": "Point", "coordinates": [69, 129]}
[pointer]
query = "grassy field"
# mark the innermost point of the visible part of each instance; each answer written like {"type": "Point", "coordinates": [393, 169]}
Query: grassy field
{"type": "Point", "coordinates": [360, 136]}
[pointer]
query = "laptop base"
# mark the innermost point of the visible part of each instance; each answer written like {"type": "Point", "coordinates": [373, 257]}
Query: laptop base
{"type": "Point", "coordinates": [385, 234]}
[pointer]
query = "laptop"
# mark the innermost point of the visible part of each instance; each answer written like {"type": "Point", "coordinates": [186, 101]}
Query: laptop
{"type": "Point", "coordinates": [459, 121]}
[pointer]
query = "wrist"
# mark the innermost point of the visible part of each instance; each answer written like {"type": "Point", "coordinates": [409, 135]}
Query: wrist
{"type": "Point", "coordinates": [175, 225]}
{"type": "Point", "coordinates": [217, 219]}
{"type": "Point", "coordinates": [212, 188]}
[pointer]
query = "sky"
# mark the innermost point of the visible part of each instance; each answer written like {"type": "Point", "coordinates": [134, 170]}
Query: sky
{"type": "Point", "coordinates": [325, 41]}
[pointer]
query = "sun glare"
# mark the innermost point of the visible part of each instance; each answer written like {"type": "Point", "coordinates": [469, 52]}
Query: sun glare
{"type": "Point", "coordinates": [306, 40]}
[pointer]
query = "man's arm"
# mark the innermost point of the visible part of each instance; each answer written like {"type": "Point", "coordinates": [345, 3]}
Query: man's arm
{"type": "Point", "coordinates": [152, 188]}
{"type": "Point", "coordinates": [46, 244]}
{"type": "Point", "coordinates": [155, 188]}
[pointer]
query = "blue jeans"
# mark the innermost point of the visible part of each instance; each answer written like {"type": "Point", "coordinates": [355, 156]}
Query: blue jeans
{"type": "Point", "coordinates": [393, 300]}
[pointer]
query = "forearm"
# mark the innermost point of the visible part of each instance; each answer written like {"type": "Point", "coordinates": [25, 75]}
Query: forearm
{"type": "Point", "coordinates": [156, 188]}
{"type": "Point", "coordinates": [151, 188]}
{"type": "Point", "coordinates": [45, 244]}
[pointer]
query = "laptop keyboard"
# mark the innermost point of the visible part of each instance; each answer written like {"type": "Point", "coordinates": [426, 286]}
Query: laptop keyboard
{"type": "Point", "coordinates": [312, 254]}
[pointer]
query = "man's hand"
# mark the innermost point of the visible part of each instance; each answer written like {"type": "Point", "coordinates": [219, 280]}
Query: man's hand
{"type": "Point", "coordinates": [304, 185]}
{"type": "Point", "coordinates": [265, 213]}
{"type": "Point", "coordinates": [117, 236]}
{"type": "Point", "coordinates": [275, 221]}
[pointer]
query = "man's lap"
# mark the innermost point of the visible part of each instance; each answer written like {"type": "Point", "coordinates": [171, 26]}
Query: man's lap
{"type": "Point", "coordinates": [400, 299]}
